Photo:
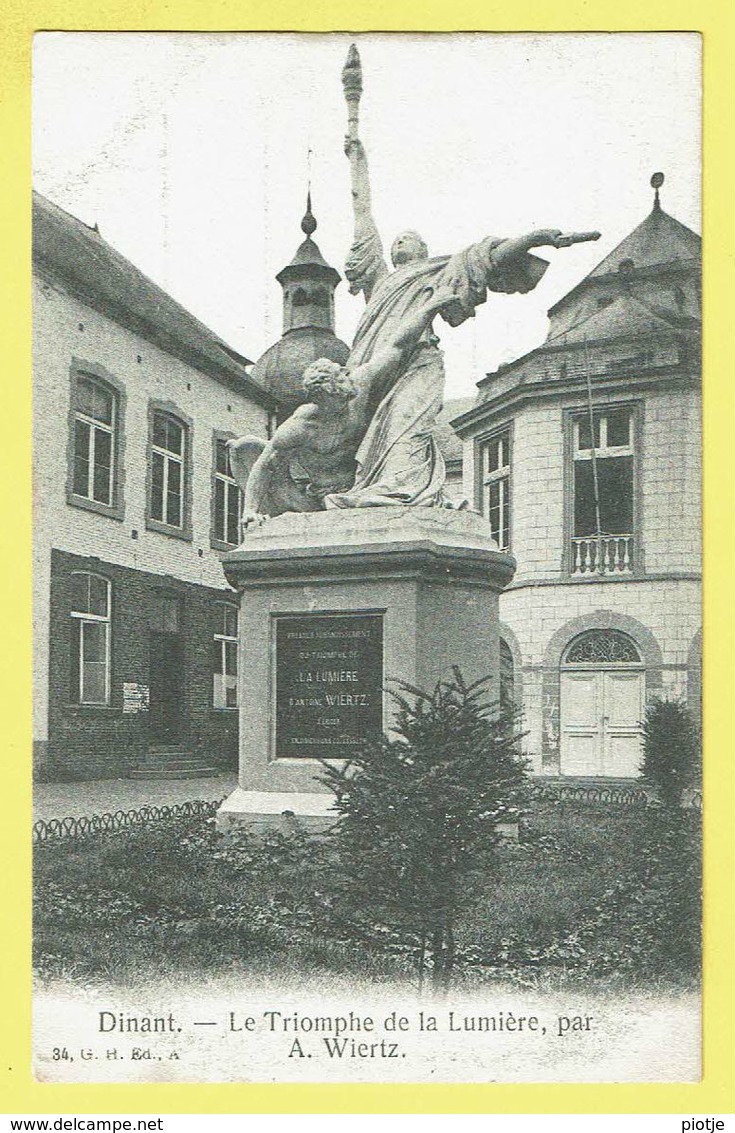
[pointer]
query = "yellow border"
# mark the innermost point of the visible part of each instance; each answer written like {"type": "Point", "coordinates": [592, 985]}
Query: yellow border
{"type": "Point", "coordinates": [715, 19]}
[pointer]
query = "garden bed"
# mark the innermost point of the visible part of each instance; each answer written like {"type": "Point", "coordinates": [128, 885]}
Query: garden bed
{"type": "Point", "coordinates": [595, 894]}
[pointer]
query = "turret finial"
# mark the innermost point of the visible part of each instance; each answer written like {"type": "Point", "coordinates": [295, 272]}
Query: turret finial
{"type": "Point", "coordinates": [656, 182]}
{"type": "Point", "coordinates": [308, 224]}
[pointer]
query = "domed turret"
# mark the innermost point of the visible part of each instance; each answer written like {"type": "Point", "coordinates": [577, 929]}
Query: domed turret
{"type": "Point", "coordinates": [308, 284]}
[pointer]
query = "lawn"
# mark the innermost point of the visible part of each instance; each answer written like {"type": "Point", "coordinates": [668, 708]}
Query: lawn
{"type": "Point", "coordinates": [604, 895]}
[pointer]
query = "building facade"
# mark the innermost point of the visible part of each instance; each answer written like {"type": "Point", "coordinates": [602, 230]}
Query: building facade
{"type": "Point", "coordinates": [585, 456]}
{"type": "Point", "coordinates": [135, 628]}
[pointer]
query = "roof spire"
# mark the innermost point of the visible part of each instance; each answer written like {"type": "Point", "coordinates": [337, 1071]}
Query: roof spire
{"type": "Point", "coordinates": [656, 182]}
{"type": "Point", "coordinates": [308, 224]}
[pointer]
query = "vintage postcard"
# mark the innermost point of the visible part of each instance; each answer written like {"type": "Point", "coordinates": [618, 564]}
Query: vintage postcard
{"type": "Point", "coordinates": [360, 364]}
{"type": "Point", "coordinates": [367, 558]}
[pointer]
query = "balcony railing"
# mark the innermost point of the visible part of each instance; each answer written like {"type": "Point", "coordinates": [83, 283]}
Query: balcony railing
{"type": "Point", "coordinates": [602, 554]}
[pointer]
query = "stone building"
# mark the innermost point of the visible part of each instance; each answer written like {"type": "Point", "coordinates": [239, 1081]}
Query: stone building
{"type": "Point", "coordinates": [134, 625]}
{"type": "Point", "coordinates": [585, 456]}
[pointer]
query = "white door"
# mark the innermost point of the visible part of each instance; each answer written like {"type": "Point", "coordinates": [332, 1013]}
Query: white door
{"type": "Point", "coordinates": [621, 733]}
{"type": "Point", "coordinates": [601, 713]}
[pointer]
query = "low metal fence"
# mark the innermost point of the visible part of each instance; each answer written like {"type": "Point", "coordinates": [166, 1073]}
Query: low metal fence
{"type": "Point", "coordinates": [108, 823]}
{"type": "Point", "coordinates": [594, 794]}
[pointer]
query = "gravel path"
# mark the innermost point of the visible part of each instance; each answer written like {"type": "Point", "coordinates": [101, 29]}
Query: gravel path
{"type": "Point", "coordinates": [99, 796]}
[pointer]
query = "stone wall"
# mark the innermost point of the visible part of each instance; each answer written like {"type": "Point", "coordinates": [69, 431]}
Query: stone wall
{"type": "Point", "coordinates": [65, 329]}
{"type": "Point", "coordinates": [102, 741]}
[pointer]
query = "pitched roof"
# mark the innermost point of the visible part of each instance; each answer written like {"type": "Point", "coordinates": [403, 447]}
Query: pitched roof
{"type": "Point", "coordinates": [627, 315]}
{"type": "Point", "coordinates": [105, 279]}
{"type": "Point", "coordinates": [659, 239]}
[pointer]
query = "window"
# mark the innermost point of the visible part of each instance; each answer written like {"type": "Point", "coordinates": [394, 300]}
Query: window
{"type": "Point", "coordinates": [95, 426]}
{"type": "Point", "coordinates": [168, 468]}
{"type": "Point", "coordinates": [90, 639]}
{"type": "Point", "coordinates": [602, 647]}
{"type": "Point", "coordinates": [495, 471]}
{"type": "Point", "coordinates": [225, 656]}
{"type": "Point", "coordinates": [603, 484]}
{"type": "Point", "coordinates": [227, 497]}
{"type": "Point", "coordinates": [507, 676]}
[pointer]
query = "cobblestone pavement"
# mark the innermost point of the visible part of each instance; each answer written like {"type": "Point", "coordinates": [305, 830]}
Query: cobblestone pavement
{"type": "Point", "coordinates": [99, 796]}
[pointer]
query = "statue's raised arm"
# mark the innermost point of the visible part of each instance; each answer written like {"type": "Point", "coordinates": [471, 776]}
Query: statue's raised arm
{"type": "Point", "coordinates": [365, 263]}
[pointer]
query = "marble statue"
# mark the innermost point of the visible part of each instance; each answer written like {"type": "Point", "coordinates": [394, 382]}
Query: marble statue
{"type": "Point", "coordinates": [398, 461]}
{"type": "Point", "coordinates": [312, 453]}
{"type": "Point", "coordinates": [366, 436]}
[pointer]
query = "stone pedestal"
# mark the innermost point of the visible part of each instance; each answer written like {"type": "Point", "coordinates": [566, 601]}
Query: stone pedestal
{"type": "Point", "coordinates": [333, 605]}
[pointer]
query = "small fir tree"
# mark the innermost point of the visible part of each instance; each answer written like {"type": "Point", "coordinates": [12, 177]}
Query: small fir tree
{"type": "Point", "coordinates": [419, 816]}
{"type": "Point", "coordinates": [670, 750]}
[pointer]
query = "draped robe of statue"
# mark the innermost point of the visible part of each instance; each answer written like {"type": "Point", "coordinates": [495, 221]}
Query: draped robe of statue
{"type": "Point", "coordinates": [398, 461]}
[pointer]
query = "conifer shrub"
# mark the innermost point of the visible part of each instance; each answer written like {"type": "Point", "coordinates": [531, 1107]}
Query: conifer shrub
{"type": "Point", "coordinates": [419, 817]}
{"type": "Point", "coordinates": [671, 759]}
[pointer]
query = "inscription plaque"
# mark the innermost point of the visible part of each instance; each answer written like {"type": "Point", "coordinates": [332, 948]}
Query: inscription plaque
{"type": "Point", "coordinates": [329, 684]}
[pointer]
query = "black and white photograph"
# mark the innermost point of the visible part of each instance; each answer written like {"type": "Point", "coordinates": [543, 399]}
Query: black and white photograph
{"type": "Point", "coordinates": [367, 557]}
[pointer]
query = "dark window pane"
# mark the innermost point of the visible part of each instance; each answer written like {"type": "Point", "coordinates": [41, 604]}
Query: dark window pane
{"type": "Point", "coordinates": [102, 466]}
{"type": "Point", "coordinates": [507, 676]}
{"type": "Point", "coordinates": [219, 510]}
{"type": "Point", "coordinates": [584, 499]}
{"type": "Point", "coordinates": [231, 658]}
{"type": "Point", "coordinates": [615, 485]}
{"type": "Point", "coordinates": [94, 400]}
{"type": "Point", "coordinates": [233, 513]}
{"type": "Point", "coordinates": [231, 695]}
{"type": "Point", "coordinates": [85, 396]}
{"type": "Point", "coordinates": [174, 437]}
{"type": "Point", "coordinates": [157, 486]}
{"type": "Point", "coordinates": [618, 428]}
{"type": "Point", "coordinates": [76, 630]}
{"type": "Point", "coordinates": [230, 621]}
{"type": "Point", "coordinates": [494, 509]}
{"type": "Point", "coordinates": [81, 458]}
{"type": "Point", "coordinates": [103, 405]}
{"type": "Point", "coordinates": [497, 453]}
{"type": "Point", "coordinates": [98, 596]}
{"type": "Point", "coordinates": [80, 593]}
{"type": "Point", "coordinates": [94, 682]}
{"type": "Point", "coordinates": [173, 509]}
{"type": "Point", "coordinates": [615, 477]}
{"type": "Point", "coordinates": [94, 637]}
{"type": "Point", "coordinates": [584, 432]}
{"type": "Point", "coordinates": [217, 656]}
{"type": "Point", "coordinates": [159, 430]}
{"type": "Point", "coordinates": [223, 458]}
{"type": "Point", "coordinates": [498, 511]}
{"type": "Point", "coordinates": [173, 496]}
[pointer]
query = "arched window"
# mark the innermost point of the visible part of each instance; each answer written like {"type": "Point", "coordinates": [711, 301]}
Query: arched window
{"type": "Point", "coordinates": [169, 456]}
{"type": "Point", "coordinates": [224, 655]}
{"type": "Point", "coordinates": [507, 676]}
{"type": "Point", "coordinates": [90, 639]}
{"type": "Point", "coordinates": [95, 440]}
{"type": "Point", "coordinates": [227, 502]}
{"type": "Point", "coordinates": [602, 647]}
{"type": "Point", "coordinates": [300, 297]}
{"type": "Point", "coordinates": [320, 297]}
